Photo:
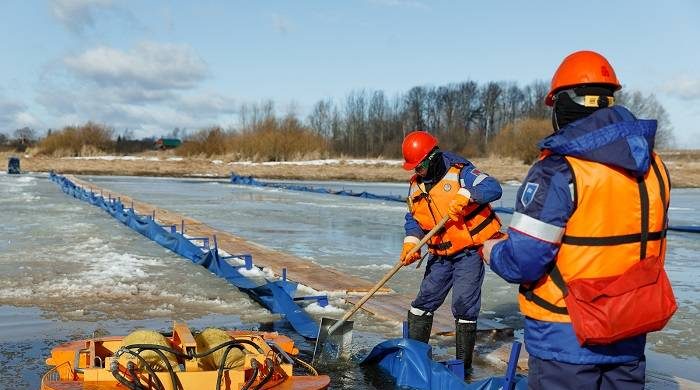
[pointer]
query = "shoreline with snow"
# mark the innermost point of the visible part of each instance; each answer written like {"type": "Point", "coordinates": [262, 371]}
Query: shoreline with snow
{"type": "Point", "coordinates": [684, 167]}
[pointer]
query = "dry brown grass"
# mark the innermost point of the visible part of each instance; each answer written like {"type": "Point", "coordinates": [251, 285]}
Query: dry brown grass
{"type": "Point", "coordinates": [684, 167]}
{"type": "Point", "coordinates": [515, 140]}
{"type": "Point", "coordinates": [90, 139]}
{"type": "Point", "coordinates": [270, 140]}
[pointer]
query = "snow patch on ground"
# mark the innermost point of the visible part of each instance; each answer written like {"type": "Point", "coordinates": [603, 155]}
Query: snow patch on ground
{"type": "Point", "coordinates": [321, 162]}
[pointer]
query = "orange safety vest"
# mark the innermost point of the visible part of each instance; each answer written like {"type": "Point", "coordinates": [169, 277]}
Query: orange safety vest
{"type": "Point", "coordinates": [479, 224]}
{"type": "Point", "coordinates": [606, 232]}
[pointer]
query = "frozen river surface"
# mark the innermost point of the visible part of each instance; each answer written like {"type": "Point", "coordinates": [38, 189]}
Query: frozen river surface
{"type": "Point", "coordinates": [68, 269]}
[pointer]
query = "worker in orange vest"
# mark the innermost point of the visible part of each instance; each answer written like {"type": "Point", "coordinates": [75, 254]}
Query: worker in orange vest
{"type": "Point", "coordinates": [447, 184]}
{"type": "Point", "coordinates": [592, 207]}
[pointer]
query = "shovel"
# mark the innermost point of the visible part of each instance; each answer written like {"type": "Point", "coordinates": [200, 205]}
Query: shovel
{"type": "Point", "coordinates": [335, 336]}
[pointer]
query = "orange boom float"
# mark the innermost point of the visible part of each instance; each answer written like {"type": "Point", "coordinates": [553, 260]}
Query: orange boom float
{"type": "Point", "coordinates": [213, 359]}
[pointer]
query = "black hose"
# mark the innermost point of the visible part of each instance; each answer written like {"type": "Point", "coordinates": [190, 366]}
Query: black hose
{"type": "Point", "coordinates": [114, 368]}
{"type": "Point", "coordinates": [256, 366]}
{"type": "Point", "coordinates": [131, 368]}
{"type": "Point", "coordinates": [173, 379]}
{"type": "Point", "coordinates": [151, 373]}
{"type": "Point", "coordinates": [196, 355]}
{"type": "Point", "coordinates": [222, 365]}
{"type": "Point", "coordinates": [159, 347]}
{"type": "Point", "coordinates": [226, 344]}
{"type": "Point", "coordinates": [269, 363]}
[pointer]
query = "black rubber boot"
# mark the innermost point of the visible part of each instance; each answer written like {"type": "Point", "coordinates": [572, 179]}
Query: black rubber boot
{"type": "Point", "coordinates": [465, 339]}
{"type": "Point", "coordinates": [419, 326]}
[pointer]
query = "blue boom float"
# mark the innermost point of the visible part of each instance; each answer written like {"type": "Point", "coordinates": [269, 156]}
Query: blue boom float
{"type": "Point", "coordinates": [251, 181]}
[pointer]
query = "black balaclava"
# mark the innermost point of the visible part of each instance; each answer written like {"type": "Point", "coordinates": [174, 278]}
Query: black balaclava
{"type": "Point", "coordinates": [566, 111]}
{"type": "Point", "coordinates": [436, 169]}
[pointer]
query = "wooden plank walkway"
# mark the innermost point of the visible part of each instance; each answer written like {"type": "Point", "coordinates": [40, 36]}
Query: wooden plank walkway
{"type": "Point", "coordinates": [386, 304]}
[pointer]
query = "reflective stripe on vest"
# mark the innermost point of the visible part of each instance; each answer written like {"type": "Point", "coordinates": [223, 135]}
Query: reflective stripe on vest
{"type": "Point", "coordinates": [617, 221]}
{"type": "Point", "coordinates": [535, 228]}
{"type": "Point", "coordinates": [479, 224]}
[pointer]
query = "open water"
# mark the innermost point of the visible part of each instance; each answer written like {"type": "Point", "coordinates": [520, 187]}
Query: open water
{"type": "Point", "coordinates": [68, 270]}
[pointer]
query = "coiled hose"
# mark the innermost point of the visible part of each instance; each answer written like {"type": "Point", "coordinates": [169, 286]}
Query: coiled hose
{"type": "Point", "coordinates": [158, 349]}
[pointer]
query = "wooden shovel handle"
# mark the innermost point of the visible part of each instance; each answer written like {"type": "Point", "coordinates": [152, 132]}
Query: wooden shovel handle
{"type": "Point", "coordinates": [391, 273]}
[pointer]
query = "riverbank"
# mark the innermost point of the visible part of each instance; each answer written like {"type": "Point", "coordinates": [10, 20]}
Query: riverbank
{"type": "Point", "coordinates": [684, 167]}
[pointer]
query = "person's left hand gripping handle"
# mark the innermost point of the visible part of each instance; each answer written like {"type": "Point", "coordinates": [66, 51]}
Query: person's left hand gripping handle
{"type": "Point", "coordinates": [459, 204]}
{"type": "Point", "coordinates": [409, 243]}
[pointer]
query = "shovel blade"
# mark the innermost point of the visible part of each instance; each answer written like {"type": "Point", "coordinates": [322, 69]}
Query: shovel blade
{"type": "Point", "coordinates": [332, 346]}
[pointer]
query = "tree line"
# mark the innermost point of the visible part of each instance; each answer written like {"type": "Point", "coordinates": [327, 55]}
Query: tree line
{"type": "Point", "coordinates": [499, 118]}
{"type": "Point", "coordinates": [466, 116]}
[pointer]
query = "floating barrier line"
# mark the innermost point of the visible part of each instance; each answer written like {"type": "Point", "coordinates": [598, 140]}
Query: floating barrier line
{"type": "Point", "coordinates": [251, 181]}
{"type": "Point", "coordinates": [277, 296]}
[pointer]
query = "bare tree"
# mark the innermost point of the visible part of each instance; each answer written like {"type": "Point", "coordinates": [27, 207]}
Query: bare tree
{"type": "Point", "coordinates": [254, 115]}
{"type": "Point", "coordinates": [415, 106]}
{"type": "Point", "coordinates": [533, 95]}
{"type": "Point", "coordinates": [648, 107]}
{"type": "Point", "coordinates": [490, 120]}
{"type": "Point", "coordinates": [378, 122]}
{"type": "Point", "coordinates": [320, 118]}
{"type": "Point", "coordinates": [513, 99]}
{"type": "Point", "coordinates": [25, 135]}
{"type": "Point", "coordinates": [464, 115]}
{"type": "Point", "coordinates": [356, 122]}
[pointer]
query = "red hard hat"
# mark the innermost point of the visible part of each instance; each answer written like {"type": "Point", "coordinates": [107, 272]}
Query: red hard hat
{"type": "Point", "coordinates": [582, 67]}
{"type": "Point", "coordinates": [416, 147]}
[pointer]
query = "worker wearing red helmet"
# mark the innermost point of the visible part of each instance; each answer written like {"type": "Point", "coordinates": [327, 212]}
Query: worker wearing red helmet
{"type": "Point", "coordinates": [447, 184]}
{"type": "Point", "coordinates": [592, 208]}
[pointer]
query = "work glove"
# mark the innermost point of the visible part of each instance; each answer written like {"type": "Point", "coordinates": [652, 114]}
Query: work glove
{"type": "Point", "coordinates": [407, 246]}
{"type": "Point", "coordinates": [458, 204]}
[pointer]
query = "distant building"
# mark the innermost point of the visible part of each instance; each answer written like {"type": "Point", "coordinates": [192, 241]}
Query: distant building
{"type": "Point", "coordinates": [167, 143]}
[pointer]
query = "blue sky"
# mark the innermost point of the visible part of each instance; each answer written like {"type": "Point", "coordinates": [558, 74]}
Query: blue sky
{"type": "Point", "coordinates": [150, 66]}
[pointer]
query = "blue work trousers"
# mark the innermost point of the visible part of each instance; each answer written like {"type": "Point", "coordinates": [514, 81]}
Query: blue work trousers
{"type": "Point", "coordinates": [462, 272]}
{"type": "Point", "coordinates": [550, 374]}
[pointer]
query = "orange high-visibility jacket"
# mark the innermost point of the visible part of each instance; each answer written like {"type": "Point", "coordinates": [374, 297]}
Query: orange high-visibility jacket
{"type": "Point", "coordinates": [480, 222]}
{"type": "Point", "coordinates": [603, 237]}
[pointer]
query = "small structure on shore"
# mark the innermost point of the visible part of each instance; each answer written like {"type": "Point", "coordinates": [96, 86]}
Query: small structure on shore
{"type": "Point", "coordinates": [167, 143]}
{"type": "Point", "coordinates": [13, 166]}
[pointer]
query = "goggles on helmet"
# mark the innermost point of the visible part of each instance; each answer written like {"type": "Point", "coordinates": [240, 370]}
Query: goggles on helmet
{"type": "Point", "coordinates": [426, 161]}
{"type": "Point", "coordinates": [587, 100]}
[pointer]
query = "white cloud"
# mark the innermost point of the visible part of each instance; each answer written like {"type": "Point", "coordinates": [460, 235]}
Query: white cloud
{"type": "Point", "coordinates": [149, 90]}
{"type": "Point", "coordinates": [149, 65]}
{"type": "Point", "coordinates": [684, 87]}
{"type": "Point", "coordinates": [77, 15]}
{"type": "Point", "coordinates": [15, 115]}
{"type": "Point", "coordinates": [8, 108]}
{"type": "Point", "coordinates": [27, 119]}
{"type": "Point", "coordinates": [211, 103]}
{"type": "Point", "coordinates": [127, 107]}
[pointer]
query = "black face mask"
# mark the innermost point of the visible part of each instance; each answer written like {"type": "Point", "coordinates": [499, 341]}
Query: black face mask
{"type": "Point", "coordinates": [566, 111]}
{"type": "Point", "coordinates": [436, 170]}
